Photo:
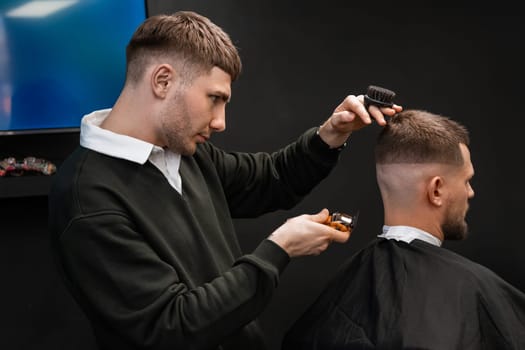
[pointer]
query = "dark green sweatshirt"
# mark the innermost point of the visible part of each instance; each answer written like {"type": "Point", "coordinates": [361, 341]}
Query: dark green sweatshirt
{"type": "Point", "coordinates": [154, 269]}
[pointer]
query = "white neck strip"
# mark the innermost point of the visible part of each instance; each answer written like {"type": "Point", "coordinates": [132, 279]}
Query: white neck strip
{"type": "Point", "coordinates": [408, 234]}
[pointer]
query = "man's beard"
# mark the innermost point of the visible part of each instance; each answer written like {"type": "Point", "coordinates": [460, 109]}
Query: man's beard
{"type": "Point", "coordinates": [177, 127]}
{"type": "Point", "coordinates": [454, 227]}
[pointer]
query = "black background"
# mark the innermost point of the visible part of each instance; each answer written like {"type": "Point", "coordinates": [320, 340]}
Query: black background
{"type": "Point", "coordinates": [299, 61]}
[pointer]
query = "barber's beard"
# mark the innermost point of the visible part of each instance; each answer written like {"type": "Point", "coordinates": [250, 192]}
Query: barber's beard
{"type": "Point", "coordinates": [454, 226]}
{"type": "Point", "coordinates": [176, 125]}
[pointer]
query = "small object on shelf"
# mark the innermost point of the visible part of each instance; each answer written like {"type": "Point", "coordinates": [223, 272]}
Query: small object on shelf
{"type": "Point", "coordinates": [12, 167]}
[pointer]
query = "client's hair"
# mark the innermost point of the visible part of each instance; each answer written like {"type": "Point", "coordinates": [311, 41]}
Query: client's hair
{"type": "Point", "coordinates": [417, 136]}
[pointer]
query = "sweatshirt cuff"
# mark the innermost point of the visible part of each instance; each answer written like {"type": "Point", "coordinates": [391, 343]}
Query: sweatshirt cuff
{"type": "Point", "coordinates": [318, 146]}
{"type": "Point", "coordinates": [268, 256]}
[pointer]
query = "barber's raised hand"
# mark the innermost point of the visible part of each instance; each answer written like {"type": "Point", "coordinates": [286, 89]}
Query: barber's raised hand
{"type": "Point", "coordinates": [351, 115]}
{"type": "Point", "coordinates": [307, 235]}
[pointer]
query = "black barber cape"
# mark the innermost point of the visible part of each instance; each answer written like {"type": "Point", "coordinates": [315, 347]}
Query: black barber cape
{"type": "Point", "coordinates": [395, 295]}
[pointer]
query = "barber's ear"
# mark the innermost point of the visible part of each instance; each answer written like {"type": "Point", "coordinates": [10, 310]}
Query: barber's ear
{"type": "Point", "coordinates": [162, 79]}
{"type": "Point", "coordinates": [435, 191]}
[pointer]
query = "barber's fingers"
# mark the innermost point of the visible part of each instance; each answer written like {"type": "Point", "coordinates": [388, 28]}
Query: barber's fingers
{"type": "Point", "coordinates": [352, 110]}
{"type": "Point", "coordinates": [339, 236]}
{"type": "Point", "coordinates": [307, 234]}
{"type": "Point", "coordinates": [333, 234]}
{"type": "Point", "coordinates": [379, 113]}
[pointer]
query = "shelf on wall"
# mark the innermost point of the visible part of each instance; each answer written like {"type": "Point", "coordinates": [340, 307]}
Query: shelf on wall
{"type": "Point", "coordinates": [53, 147]}
{"type": "Point", "coordinates": [25, 186]}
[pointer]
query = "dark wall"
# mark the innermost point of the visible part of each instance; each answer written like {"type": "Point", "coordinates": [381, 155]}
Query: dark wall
{"type": "Point", "coordinates": [299, 63]}
{"type": "Point", "coordinates": [36, 311]}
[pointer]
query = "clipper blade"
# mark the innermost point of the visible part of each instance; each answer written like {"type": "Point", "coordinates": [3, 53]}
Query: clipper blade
{"type": "Point", "coordinates": [342, 222]}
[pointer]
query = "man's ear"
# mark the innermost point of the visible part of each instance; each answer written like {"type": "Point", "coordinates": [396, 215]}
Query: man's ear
{"type": "Point", "coordinates": [435, 191]}
{"type": "Point", "coordinates": [162, 79]}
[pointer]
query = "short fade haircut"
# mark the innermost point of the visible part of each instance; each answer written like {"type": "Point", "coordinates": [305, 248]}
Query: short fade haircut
{"type": "Point", "coordinates": [183, 35]}
{"type": "Point", "coordinates": [417, 136]}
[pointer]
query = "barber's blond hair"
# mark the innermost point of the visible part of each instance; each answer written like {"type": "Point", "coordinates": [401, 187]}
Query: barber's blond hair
{"type": "Point", "coordinates": [185, 36]}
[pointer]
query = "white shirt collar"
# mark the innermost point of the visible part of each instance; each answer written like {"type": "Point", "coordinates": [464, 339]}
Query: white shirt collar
{"type": "Point", "coordinates": [408, 234]}
{"type": "Point", "coordinates": [92, 136]}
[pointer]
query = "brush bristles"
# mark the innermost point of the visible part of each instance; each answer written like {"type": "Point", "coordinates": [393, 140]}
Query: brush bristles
{"type": "Point", "coordinates": [379, 96]}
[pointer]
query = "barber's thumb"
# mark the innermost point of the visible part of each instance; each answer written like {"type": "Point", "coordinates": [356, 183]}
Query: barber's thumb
{"type": "Point", "coordinates": [321, 216]}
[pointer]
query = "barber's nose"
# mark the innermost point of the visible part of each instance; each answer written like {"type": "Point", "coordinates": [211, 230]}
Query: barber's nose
{"type": "Point", "coordinates": [471, 192]}
{"type": "Point", "coordinates": [218, 123]}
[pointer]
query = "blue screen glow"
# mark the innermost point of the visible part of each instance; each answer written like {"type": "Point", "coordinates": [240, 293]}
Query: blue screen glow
{"type": "Point", "coordinates": [62, 59]}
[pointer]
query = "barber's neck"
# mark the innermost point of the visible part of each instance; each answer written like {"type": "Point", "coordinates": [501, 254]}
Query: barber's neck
{"type": "Point", "coordinates": [130, 117]}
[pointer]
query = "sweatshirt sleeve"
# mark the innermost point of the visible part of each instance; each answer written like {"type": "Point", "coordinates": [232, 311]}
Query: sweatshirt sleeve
{"type": "Point", "coordinates": [122, 282]}
{"type": "Point", "coordinates": [258, 183]}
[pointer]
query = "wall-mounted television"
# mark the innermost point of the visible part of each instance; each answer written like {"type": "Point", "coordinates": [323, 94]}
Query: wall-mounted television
{"type": "Point", "coordinates": [61, 59]}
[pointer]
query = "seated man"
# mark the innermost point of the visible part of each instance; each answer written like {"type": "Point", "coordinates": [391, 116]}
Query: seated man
{"type": "Point", "coordinates": [403, 291]}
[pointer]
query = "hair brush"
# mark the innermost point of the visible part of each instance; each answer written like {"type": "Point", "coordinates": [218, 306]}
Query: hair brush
{"type": "Point", "coordinates": [378, 96]}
